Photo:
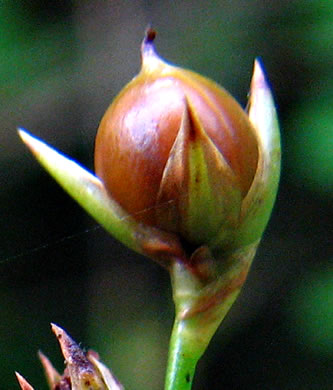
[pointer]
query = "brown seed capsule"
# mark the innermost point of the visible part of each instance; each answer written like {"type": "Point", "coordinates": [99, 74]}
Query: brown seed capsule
{"type": "Point", "coordinates": [139, 130]}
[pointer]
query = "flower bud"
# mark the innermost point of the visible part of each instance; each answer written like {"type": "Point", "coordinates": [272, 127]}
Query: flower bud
{"type": "Point", "coordinates": [176, 151]}
{"type": "Point", "coordinates": [186, 177]}
{"type": "Point", "coordinates": [182, 171]}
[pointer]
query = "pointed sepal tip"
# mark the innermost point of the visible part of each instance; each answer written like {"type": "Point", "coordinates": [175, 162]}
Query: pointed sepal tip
{"type": "Point", "coordinates": [23, 382]}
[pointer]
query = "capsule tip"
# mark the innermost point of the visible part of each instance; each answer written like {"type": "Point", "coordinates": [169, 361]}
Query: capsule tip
{"type": "Point", "coordinates": [150, 35]}
{"type": "Point", "coordinates": [147, 47]}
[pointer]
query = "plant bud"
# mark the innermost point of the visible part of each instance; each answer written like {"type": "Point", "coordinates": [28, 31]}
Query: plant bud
{"type": "Point", "coordinates": [186, 177]}
{"type": "Point", "coordinates": [83, 371]}
{"type": "Point", "coordinates": [182, 171]}
{"type": "Point", "coordinates": [177, 152]}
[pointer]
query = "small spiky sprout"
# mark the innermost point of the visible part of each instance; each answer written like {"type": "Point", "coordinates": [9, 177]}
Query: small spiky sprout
{"type": "Point", "coordinates": [83, 371]}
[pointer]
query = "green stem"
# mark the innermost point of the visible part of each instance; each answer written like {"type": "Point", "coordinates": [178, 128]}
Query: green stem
{"type": "Point", "coordinates": [200, 308]}
{"type": "Point", "coordinates": [183, 357]}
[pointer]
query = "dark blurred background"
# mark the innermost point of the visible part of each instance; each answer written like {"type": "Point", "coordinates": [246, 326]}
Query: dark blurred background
{"type": "Point", "coordinates": [61, 64]}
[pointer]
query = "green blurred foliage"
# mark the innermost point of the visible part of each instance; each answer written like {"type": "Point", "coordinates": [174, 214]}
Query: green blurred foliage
{"type": "Point", "coordinates": [61, 64]}
{"type": "Point", "coordinates": [33, 40]}
{"type": "Point", "coordinates": [310, 145]}
{"type": "Point", "coordinates": [311, 313]}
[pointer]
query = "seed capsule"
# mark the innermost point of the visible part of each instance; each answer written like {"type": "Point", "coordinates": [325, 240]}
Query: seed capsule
{"type": "Point", "coordinates": [166, 124]}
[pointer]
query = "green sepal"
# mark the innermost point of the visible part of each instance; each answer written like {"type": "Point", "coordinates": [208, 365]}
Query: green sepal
{"type": "Point", "coordinates": [257, 205]}
{"type": "Point", "coordinates": [204, 188]}
{"type": "Point", "coordinates": [91, 194]}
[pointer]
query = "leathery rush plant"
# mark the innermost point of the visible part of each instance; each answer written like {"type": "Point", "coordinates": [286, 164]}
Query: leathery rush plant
{"type": "Point", "coordinates": [186, 177]}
